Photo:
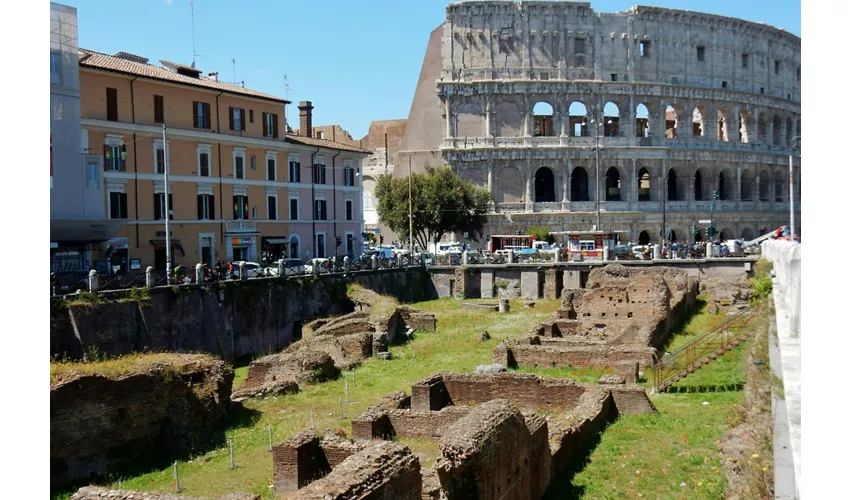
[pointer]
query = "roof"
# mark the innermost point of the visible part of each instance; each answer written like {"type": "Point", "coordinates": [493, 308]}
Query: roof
{"type": "Point", "coordinates": [96, 60]}
{"type": "Point", "coordinates": [324, 143]}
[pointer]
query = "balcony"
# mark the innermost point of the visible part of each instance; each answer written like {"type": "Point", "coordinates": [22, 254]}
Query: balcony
{"type": "Point", "coordinates": [240, 226]}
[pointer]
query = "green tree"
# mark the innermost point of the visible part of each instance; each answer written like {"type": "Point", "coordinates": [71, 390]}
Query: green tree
{"type": "Point", "coordinates": [541, 233]}
{"type": "Point", "coordinates": [442, 203]}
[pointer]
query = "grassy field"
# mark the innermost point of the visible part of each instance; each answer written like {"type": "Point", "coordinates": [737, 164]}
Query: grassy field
{"type": "Point", "coordinates": [669, 455]}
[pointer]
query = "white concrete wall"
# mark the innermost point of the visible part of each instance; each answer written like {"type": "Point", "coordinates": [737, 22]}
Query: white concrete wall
{"type": "Point", "coordinates": [787, 260]}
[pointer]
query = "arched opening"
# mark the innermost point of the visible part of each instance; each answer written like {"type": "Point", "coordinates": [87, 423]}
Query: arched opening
{"type": "Point", "coordinates": [642, 121]}
{"type": "Point", "coordinates": [698, 186]}
{"type": "Point", "coordinates": [722, 125]}
{"type": "Point", "coordinates": [672, 236]}
{"type": "Point", "coordinates": [611, 115]}
{"type": "Point", "coordinates": [612, 185]}
{"type": "Point", "coordinates": [777, 130]}
{"type": "Point", "coordinates": [643, 238]}
{"type": "Point", "coordinates": [744, 126]}
{"type": "Point", "coordinates": [672, 186]}
{"type": "Point", "coordinates": [671, 122]}
{"type": "Point", "coordinates": [544, 185]}
{"type": "Point", "coordinates": [762, 126]}
{"type": "Point", "coordinates": [510, 185]}
{"type": "Point", "coordinates": [789, 131]}
{"type": "Point", "coordinates": [726, 234]}
{"type": "Point", "coordinates": [798, 127]}
{"type": "Point", "coordinates": [294, 247]}
{"type": "Point", "coordinates": [697, 121]}
{"type": "Point", "coordinates": [469, 121]}
{"type": "Point", "coordinates": [747, 234]}
{"type": "Point", "coordinates": [578, 120]}
{"type": "Point", "coordinates": [764, 186]}
{"type": "Point", "coordinates": [578, 185]}
{"type": "Point", "coordinates": [643, 185]}
{"type": "Point", "coordinates": [698, 235]}
{"type": "Point", "coordinates": [779, 186]}
{"type": "Point", "coordinates": [725, 187]}
{"type": "Point", "coordinates": [748, 185]}
{"type": "Point", "coordinates": [543, 124]}
{"type": "Point", "coordinates": [508, 119]}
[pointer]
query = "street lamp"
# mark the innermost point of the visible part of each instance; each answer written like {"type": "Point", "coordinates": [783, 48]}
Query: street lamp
{"type": "Point", "coordinates": [791, 183]}
{"type": "Point", "coordinates": [598, 217]}
{"type": "Point", "coordinates": [714, 196]}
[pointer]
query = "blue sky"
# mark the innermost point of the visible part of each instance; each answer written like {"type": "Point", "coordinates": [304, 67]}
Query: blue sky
{"type": "Point", "coordinates": [356, 60]}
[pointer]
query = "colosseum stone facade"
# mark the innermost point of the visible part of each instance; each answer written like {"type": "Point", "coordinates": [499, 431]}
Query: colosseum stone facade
{"type": "Point", "coordinates": [684, 107]}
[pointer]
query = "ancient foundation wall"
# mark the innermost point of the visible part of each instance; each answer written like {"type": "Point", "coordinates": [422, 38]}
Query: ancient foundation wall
{"type": "Point", "coordinates": [620, 358]}
{"type": "Point", "coordinates": [98, 493]}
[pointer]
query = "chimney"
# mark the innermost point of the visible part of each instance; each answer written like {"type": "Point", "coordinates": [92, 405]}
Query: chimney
{"type": "Point", "coordinates": [214, 76]}
{"type": "Point", "coordinates": [306, 113]}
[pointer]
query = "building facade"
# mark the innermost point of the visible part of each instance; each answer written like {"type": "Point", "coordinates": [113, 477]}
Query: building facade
{"type": "Point", "coordinates": [239, 185]}
{"type": "Point", "coordinates": [647, 121]}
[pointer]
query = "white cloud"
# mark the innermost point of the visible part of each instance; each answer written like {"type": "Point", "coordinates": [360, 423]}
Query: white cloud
{"type": "Point", "coordinates": [260, 71]}
{"type": "Point", "coordinates": [168, 2]}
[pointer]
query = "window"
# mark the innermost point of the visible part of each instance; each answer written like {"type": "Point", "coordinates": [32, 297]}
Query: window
{"type": "Point", "coordinates": [201, 117]}
{"type": "Point", "coordinates": [579, 46]}
{"type": "Point", "coordinates": [239, 165]}
{"type": "Point", "coordinates": [320, 210]}
{"type": "Point", "coordinates": [159, 208]}
{"type": "Point", "coordinates": [117, 205]}
{"type": "Point", "coordinates": [237, 119]}
{"type": "Point", "coordinates": [700, 53]}
{"type": "Point", "coordinates": [253, 163]}
{"type": "Point", "coordinates": [798, 74]}
{"type": "Point", "coordinates": [271, 169]}
{"type": "Point", "coordinates": [158, 109]}
{"type": "Point", "coordinates": [320, 245]}
{"type": "Point", "coordinates": [349, 244]}
{"type": "Point", "coordinates": [776, 67]}
{"type": "Point", "coordinates": [613, 77]}
{"type": "Point", "coordinates": [272, 207]}
{"type": "Point", "coordinates": [55, 68]}
{"type": "Point", "coordinates": [115, 158]}
{"type": "Point", "coordinates": [349, 209]}
{"type": "Point", "coordinates": [293, 209]}
{"type": "Point", "coordinates": [587, 246]}
{"type": "Point", "coordinates": [319, 172]}
{"type": "Point", "coordinates": [92, 180]}
{"type": "Point", "coordinates": [294, 170]}
{"type": "Point", "coordinates": [745, 61]}
{"type": "Point", "coordinates": [269, 125]}
{"type": "Point", "coordinates": [348, 175]}
{"type": "Point", "coordinates": [206, 207]}
{"type": "Point", "coordinates": [159, 159]}
{"type": "Point", "coordinates": [251, 115]}
{"type": "Point", "coordinates": [240, 207]}
{"type": "Point", "coordinates": [761, 90]}
{"type": "Point", "coordinates": [112, 104]}
{"type": "Point", "coordinates": [204, 163]}
{"type": "Point", "coordinates": [723, 84]}
{"type": "Point", "coordinates": [644, 48]}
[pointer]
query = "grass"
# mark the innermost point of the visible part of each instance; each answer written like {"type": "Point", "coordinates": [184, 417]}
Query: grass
{"type": "Point", "coordinates": [648, 455]}
{"type": "Point", "coordinates": [119, 367]}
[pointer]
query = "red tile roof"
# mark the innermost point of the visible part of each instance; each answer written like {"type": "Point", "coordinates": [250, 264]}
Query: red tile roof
{"type": "Point", "coordinates": [312, 141]}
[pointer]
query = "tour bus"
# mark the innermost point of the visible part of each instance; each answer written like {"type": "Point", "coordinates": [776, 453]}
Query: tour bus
{"type": "Point", "coordinates": [511, 241]}
{"type": "Point", "coordinates": [587, 245]}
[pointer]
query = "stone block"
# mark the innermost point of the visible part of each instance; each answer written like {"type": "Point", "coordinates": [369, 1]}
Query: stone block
{"type": "Point", "coordinates": [530, 284]}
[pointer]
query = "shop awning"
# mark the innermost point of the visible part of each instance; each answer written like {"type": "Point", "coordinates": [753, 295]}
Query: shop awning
{"type": "Point", "coordinates": [161, 242]}
{"type": "Point", "coordinates": [84, 230]}
{"type": "Point", "coordinates": [277, 241]}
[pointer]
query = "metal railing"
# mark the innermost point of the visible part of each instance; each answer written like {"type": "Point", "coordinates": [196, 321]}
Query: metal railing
{"type": "Point", "coordinates": [677, 364]}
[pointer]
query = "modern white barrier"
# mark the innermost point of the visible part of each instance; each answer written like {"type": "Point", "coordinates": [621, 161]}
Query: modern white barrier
{"type": "Point", "coordinates": [786, 257]}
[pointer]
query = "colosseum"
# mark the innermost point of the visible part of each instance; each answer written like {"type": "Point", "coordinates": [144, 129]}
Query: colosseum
{"type": "Point", "coordinates": [645, 121]}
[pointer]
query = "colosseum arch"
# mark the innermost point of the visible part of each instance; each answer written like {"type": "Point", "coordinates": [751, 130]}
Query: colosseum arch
{"type": "Point", "coordinates": [671, 122]}
{"type": "Point", "coordinates": [510, 185]}
{"type": "Point", "coordinates": [643, 237]}
{"type": "Point", "coordinates": [544, 185]}
{"type": "Point", "coordinates": [726, 234]}
{"type": "Point", "coordinates": [698, 121]}
{"type": "Point", "coordinates": [789, 131]}
{"type": "Point", "coordinates": [748, 185]}
{"type": "Point", "coordinates": [508, 119]}
{"type": "Point", "coordinates": [578, 120]}
{"type": "Point", "coordinates": [777, 130]}
{"type": "Point", "coordinates": [544, 123]}
{"type": "Point", "coordinates": [675, 191]}
{"type": "Point", "coordinates": [780, 185]}
{"type": "Point", "coordinates": [469, 120]}
{"type": "Point", "coordinates": [798, 127]}
{"type": "Point", "coordinates": [611, 118]}
{"type": "Point", "coordinates": [702, 184]}
{"type": "Point", "coordinates": [726, 184]}
{"type": "Point", "coordinates": [762, 128]}
{"type": "Point", "coordinates": [644, 184]}
{"type": "Point", "coordinates": [723, 123]}
{"type": "Point", "coordinates": [579, 187]}
{"type": "Point", "coordinates": [764, 185]}
{"type": "Point", "coordinates": [642, 123]}
{"type": "Point", "coordinates": [747, 234]}
{"type": "Point", "coordinates": [745, 122]}
{"type": "Point", "coordinates": [612, 185]}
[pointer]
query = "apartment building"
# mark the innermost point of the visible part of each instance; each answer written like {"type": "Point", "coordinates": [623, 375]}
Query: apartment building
{"type": "Point", "coordinates": [239, 184]}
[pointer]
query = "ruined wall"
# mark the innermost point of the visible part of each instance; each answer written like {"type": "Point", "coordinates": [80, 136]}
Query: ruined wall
{"type": "Point", "coordinates": [103, 423]}
{"type": "Point", "coordinates": [493, 453]}
{"type": "Point", "coordinates": [621, 359]}
{"type": "Point", "coordinates": [98, 493]}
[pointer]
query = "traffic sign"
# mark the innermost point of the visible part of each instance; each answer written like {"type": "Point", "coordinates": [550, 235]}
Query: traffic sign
{"type": "Point", "coordinates": [705, 221]}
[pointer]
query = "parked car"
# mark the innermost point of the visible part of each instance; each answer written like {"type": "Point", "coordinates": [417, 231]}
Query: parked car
{"type": "Point", "coordinates": [428, 256]}
{"type": "Point", "coordinates": [252, 269]}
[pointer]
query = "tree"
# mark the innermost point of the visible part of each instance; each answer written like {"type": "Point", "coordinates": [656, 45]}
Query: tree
{"type": "Point", "coordinates": [541, 233]}
{"type": "Point", "coordinates": [442, 203]}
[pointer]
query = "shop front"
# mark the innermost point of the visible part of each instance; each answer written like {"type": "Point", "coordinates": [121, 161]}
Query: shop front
{"type": "Point", "coordinates": [160, 254]}
{"type": "Point", "coordinates": [116, 257]}
{"type": "Point", "coordinates": [275, 248]}
{"type": "Point", "coordinates": [243, 248]}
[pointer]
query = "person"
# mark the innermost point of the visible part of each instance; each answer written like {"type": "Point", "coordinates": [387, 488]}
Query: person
{"type": "Point", "coordinates": [217, 270]}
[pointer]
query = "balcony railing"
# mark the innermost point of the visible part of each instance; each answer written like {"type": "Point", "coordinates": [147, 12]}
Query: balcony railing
{"type": "Point", "coordinates": [241, 226]}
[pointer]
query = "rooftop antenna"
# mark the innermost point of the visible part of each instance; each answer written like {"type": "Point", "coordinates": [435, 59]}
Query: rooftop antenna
{"type": "Point", "coordinates": [234, 71]}
{"type": "Point", "coordinates": [286, 86]}
{"type": "Point", "coordinates": [192, 8]}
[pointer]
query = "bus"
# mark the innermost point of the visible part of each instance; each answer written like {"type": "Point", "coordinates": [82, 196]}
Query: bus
{"type": "Point", "coordinates": [512, 242]}
{"type": "Point", "coordinates": [588, 245]}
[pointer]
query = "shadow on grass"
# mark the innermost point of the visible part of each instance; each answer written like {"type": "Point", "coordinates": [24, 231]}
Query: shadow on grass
{"type": "Point", "coordinates": [699, 308]}
{"type": "Point", "coordinates": [134, 460]}
{"type": "Point", "coordinates": [561, 486]}
{"type": "Point", "coordinates": [736, 387]}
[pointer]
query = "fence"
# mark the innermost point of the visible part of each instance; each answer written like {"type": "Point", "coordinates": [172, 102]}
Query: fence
{"type": "Point", "coordinates": [67, 284]}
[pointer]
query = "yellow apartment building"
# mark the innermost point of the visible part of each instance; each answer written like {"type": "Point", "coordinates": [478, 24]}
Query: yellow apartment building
{"type": "Point", "coordinates": [239, 184]}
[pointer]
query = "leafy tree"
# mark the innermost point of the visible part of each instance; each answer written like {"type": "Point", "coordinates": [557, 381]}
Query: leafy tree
{"type": "Point", "coordinates": [541, 233]}
{"type": "Point", "coordinates": [442, 203]}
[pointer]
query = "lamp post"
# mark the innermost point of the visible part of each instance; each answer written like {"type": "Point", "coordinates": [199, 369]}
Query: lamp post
{"type": "Point", "coordinates": [791, 184]}
{"type": "Point", "coordinates": [598, 215]}
{"type": "Point", "coordinates": [167, 207]}
{"type": "Point", "coordinates": [714, 196]}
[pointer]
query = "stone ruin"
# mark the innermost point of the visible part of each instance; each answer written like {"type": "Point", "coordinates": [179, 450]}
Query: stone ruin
{"type": "Point", "coordinates": [616, 322]}
{"type": "Point", "coordinates": [98, 493]}
{"type": "Point", "coordinates": [331, 345]}
{"type": "Point", "coordinates": [496, 440]}
{"type": "Point", "coordinates": [726, 294]}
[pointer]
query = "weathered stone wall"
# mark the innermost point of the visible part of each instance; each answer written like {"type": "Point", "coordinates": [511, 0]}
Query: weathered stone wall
{"type": "Point", "coordinates": [408, 423]}
{"type": "Point", "coordinates": [598, 356]}
{"type": "Point", "coordinates": [98, 493]}
{"type": "Point", "coordinates": [103, 423]}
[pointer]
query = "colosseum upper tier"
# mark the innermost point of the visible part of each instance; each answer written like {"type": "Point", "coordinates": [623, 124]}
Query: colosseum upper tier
{"type": "Point", "coordinates": [685, 107]}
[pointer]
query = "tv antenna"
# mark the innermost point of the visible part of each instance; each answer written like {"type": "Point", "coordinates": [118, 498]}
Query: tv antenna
{"type": "Point", "coordinates": [234, 71]}
{"type": "Point", "coordinates": [194, 54]}
{"type": "Point", "coordinates": [286, 88]}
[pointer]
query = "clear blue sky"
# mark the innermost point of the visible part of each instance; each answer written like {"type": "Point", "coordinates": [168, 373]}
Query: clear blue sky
{"type": "Point", "coordinates": [356, 60]}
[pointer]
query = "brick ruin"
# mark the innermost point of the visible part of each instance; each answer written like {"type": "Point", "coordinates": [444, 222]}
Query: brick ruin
{"type": "Point", "coordinates": [616, 322]}
{"type": "Point", "coordinates": [98, 493]}
{"type": "Point", "coordinates": [500, 435]}
{"type": "Point", "coordinates": [334, 344]}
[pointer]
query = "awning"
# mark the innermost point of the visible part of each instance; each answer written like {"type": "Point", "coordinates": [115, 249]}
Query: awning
{"type": "Point", "coordinates": [161, 242]}
{"type": "Point", "coordinates": [277, 241]}
{"type": "Point", "coordinates": [84, 230]}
